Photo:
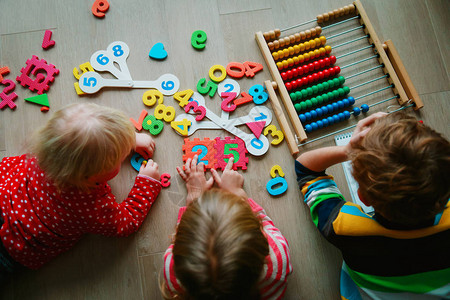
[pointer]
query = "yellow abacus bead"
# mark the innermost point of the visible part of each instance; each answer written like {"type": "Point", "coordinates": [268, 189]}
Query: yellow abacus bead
{"type": "Point", "coordinates": [318, 42]}
{"type": "Point", "coordinates": [286, 52]}
{"type": "Point", "coordinates": [312, 44]}
{"type": "Point", "coordinates": [292, 39]}
{"type": "Point", "coordinates": [297, 37]}
{"type": "Point", "coordinates": [306, 56]}
{"type": "Point", "coordinates": [270, 45]}
{"type": "Point", "coordinates": [318, 30]}
{"type": "Point", "coordinates": [322, 51]}
{"type": "Point", "coordinates": [317, 53]}
{"type": "Point", "coordinates": [279, 65]}
{"type": "Point", "coordinates": [290, 62]}
{"type": "Point", "coordinates": [296, 60]}
{"type": "Point", "coordinates": [291, 50]}
{"type": "Point", "coordinates": [323, 40]}
{"type": "Point", "coordinates": [275, 55]}
{"type": "Point", "coordinates": [302, 47]}
{"type": "Point", "coordinates": [307, 45]}
{"type": "Point", "coordinates": [313, 31]}
{"type": "Point", "coordinates": [301, 58]}
{"type": "Point", "coordinates": [308, 33]}
{"type": "Point", "coordinates": [328, 49]}
{"type": "Point", "coordinates": [296, 49]}
{"type": "Point", "coordinates": [285, 64]}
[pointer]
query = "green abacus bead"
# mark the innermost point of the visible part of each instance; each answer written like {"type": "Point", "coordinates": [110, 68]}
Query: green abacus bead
{"type": "Point", "coordinates": [336, 82]}
{"type": "Point", "coordinates": [341, 92]}
{"type": "Point", "coordinates": [293, 97]}
{"type": "Point", "coordinates": [309, 91]}
{"type": "Point", "coordinates": [335, 94]}
{"type": "Point", "coordinates": [308, 103]}
{"type": "Point", "coordinates": [346, 90]}
{"type": "Point", "coordinates": [341, 79]}
{"type": "Point", "coordinates": [304, 93]}
{"type": "Point", "coordinates": [302, 106]}
{"type": "Point", "coordinates": [319, 99]}
{"type": "Point", "coordinates": [298, 95]}
{"type": "Point", "coordinates": [325, 98]}
{"type": "Point", "coordinates": [320, 87]}
{"type": "Point", "coordinates": [330, 83]}
{"type": "Point", "coordinates": [298, 107]}
{"type": "Point", "coordinates": [325, 85]}
{"type": "Point", "coordinates": [330, 96]}
{"type": "Point", "coordinates": [315, 89]}
{"type": "Point", "coordinates": [314, 101]}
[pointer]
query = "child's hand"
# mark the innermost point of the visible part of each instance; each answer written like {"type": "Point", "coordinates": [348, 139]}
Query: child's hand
{"type": "Point", "coordinates": [150, 169]}
{"type": "Point", "coordinates": [361, 130]}
{"type": "Point", "coordinates": [231, 180]}
{"type": "Point", "coordinates": [194, 176]}
{"type": "Point", "coordinates": [145, 145]}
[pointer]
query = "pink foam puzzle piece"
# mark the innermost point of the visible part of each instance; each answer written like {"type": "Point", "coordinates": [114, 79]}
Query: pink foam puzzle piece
{"type": "Point", "coordinates": [47, 42]}
{"type": "Point", "coordinates": [256, 127]}
{"type": "Point", "coordinates": [7, 95]}
{"type": "Point", "coordinates": [37, 68]}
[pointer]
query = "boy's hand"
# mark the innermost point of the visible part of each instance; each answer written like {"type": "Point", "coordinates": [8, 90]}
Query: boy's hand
{"type": "Point", "coordinates": [150, 169]}
{"type": "Point", "coordinates": [145, 145]}
{"type": "Point", "coordinates": [361, 130]}
{"type": "Point", "coordinates": [194, 176]}
{"type": "Point", "coordinates": [231, 180]}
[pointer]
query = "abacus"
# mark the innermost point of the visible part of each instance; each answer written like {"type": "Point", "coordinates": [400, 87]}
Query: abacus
{"type": "Point", "coordinates": [310, 83]}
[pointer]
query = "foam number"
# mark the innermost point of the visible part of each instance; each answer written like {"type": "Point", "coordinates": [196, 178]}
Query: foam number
{"type": "Point", "coordinates": [217, 68]}
{"type": "Point", "coordinates": [136, 161]}
{"type": "Point", "coordinates": [277, 185]}
{"type": "Point", "coordinates": [99, 8]}
{"type": "Point", "coordinates": [210, 88]}
{"type": "Point", "coordinates": [183, 97]}
{"type": "Point", "coordinates": [236, 69]}
{"type": "Point", "coordinates": [151, 96]}
{"type": "Point", "coordinates": [181, 126]}
{"type": "Point", "coordinates": [165, 112]}
{"type": "Point", "coordinates": [258, 94]}
{"type": "Point", "coordinates": [86, 67]}
{"type": "Point", "coordinates": [227, 99]}
{"type": "Point", "coordinates": [252, 68]}
{"type": "Point", "coordinates": [198, 39]}
{"type": "Point", "coordinates": [231, 149]}
{"type": "Point", "coordinates": [274, 132]}
{"type": "Point", "coordinates": [203, 152]}
{"type": "Point", "coordinates": [165, 177]}
{"type": "Point", "coordinates": [245, 98]}
{"type": "Point", "coordinates": [138, 123]}
{"type": "Point", "coordinates": [153, 125]}
{"type": "Point", "coordinates": [8, 99]}
{"type": "Point", "coordinates": [197, 109]}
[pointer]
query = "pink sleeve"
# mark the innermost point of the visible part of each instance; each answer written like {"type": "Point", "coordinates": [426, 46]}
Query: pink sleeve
{"type": "Point", "coordinates": [122, 219]}
{"type": "Point", "coordinates": [278, 267]}
{"type": "Point", "coordinates": [171, 281]}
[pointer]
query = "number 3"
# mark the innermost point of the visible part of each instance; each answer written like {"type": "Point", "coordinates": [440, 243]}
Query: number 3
{"type": "Point", "coordinates": [274, 133]}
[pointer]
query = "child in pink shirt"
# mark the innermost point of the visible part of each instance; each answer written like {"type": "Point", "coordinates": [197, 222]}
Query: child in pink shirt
{"type": "Point", "coordinates": [52, 197]}
{"type": "Point", "coordinates": [225, 246]}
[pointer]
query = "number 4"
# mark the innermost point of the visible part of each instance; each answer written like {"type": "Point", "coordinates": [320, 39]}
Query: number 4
{"type": "Point", "coordinates": [252, 68]}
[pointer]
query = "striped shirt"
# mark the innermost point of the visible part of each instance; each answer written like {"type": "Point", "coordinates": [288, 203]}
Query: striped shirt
{"type": "Point", "coordinates": [382, 260]}
{"type": "Point", "coordinates": [277, 266]}
{"type": "Point", "coordinates": [41, 222]}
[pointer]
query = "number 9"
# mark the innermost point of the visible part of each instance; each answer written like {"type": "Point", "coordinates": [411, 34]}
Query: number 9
{"type": "Point", "coordinates": [198, 39]}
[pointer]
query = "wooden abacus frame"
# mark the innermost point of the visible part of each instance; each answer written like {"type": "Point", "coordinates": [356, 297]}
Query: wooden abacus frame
{"type": "Point", "coordinates": [388, 57]}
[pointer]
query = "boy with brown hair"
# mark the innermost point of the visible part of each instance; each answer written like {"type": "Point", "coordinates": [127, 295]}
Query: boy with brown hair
{"type": "Point", "coordinates": [402, 168]}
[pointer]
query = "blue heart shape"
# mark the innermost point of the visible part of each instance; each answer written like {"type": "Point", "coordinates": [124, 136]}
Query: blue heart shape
{"type": "Point", "coordinates": [157, 51]}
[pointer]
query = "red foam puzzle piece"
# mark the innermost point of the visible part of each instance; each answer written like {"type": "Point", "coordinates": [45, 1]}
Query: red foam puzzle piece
{"type": "Point", "coordinates": [8, 99]}
{"type": "Point", "coordinates": [37, 68]}
{"type": "Point", "coordinates": [206, 154]}
{"type": "Point", "coordinates": [47, 42]}
{"type": "Point", "coordinates": [227, 148]}
{"type": "Point", "coordinates": [256, 127]}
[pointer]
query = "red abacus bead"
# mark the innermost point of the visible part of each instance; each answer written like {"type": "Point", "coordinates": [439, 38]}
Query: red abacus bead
{"type": "Point", "coordinates": [305, 69]}
{"type": "Point", "coordinates": [322, 63]}
{"type": "Point", "coordinates": [310, 79]}
{"type": "Point", "coordinates": [315, 76]}
{"type": "Point", "coordinates": [288, 86]}
{"type": "Point", "coordinates": [332, 72]}
{"type": "Point", "coordinates": [333, 59]}
{"type": "Point", "coordinates": [305, 80]}
{"type": "Point", "coordinates": [311, 66]}
{"type": "Point", "coordinates": [326, 73]}
{"type": "Point", "coordinates": [289, 74]}
{"type": "Point", "coordinates": [321, 75]}
{"type": "Point", "coordinates": [299, 82]}
{"type": "Point", "coordinates": [316, 65]}
{"type": "Point", "coordinates": [294, 72]}
{"type": "Point", "coordinates": [337, 70]}
{"type": "Point", "coordinates": [294, 84]}
{"type": "Point", "coordinates": [283, 75]}
{"type": "Point", "coordinates": [327, 61]}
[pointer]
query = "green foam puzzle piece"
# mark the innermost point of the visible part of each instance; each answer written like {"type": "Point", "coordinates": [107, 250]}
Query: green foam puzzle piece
{"type": "Point", "coordinates": [39, 99]}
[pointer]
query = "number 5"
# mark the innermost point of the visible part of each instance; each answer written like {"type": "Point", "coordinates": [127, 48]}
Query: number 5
{"type": "Point", "coordinates": [88, 80]}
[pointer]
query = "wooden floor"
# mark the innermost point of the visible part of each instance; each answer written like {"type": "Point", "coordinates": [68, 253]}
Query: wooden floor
{"type": "Point", "coordinates": [130, 268]}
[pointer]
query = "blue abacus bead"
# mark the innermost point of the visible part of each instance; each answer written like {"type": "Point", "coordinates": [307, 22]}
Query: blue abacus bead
{"type": "Point", "coordinates": [341, 116]}
{"type": "Point", "coordinates": [314, 126]}
{"type": "Point", "coordinates": [340, 104]}
{"type": "Point", "coordinates": [308, 128]}
{"type": "Point", "coordinates": [320, 124]}
{"type": "Point", "coordinates": [330, 120]}
{"type": "Point", "coordinates": [346, 114]}
{"type": "Point", "coordinates": [365, 108]}
{"type": "Point", "coordinates": [324, 110]}
{"type": "Point", "coordinates": [336, 119]}
{"type": "Point", "coordinates": [335, 106]}
{"type": "Point", "coordinates": [346, 102]}
{"type": "Point", "coordinates": [356, 111]}
{"type": "Point", "coordinates": [330, 108]}
{"type": "Point", "coordinates": [313, 114]}
{"type": "Point", "coordinates": [351, 100]}
{"type": "Point", "coordinates": [308, 116]}
{"type": "Point", "coordinates": [319, 112]}
{"type": "Point", "coordinates": [302, 118]}
{"type": "Point", "coordinates": [325, 122]}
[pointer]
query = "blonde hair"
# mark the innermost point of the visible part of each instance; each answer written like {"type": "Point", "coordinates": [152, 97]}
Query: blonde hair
{"type": "Point", "coordinates": [80, 141]}
{"type": "Point", "coordinates": [402, 169]}
{"type": "Point", "coordinates": [219, 249]}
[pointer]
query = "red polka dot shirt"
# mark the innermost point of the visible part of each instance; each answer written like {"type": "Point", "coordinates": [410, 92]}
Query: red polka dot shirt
{"type": "Point", "coordinates": [40, 222]}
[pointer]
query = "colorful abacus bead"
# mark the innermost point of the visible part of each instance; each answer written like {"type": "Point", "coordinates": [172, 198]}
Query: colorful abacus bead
{"type": "Point", "coordinates": [304, 57]}
{"type": "Point", "coordinates": [327, 121]}
{"type": "Point", "coordinates": [324, 98]}
{"type": "Point", "coordinates": [315, 89]}
{"type": "Point", "coordinates": [320, 64]}
{"type": "Point", "coordinates": [314, 77]}
{"type": "Point", "coordinates": [326, 109]}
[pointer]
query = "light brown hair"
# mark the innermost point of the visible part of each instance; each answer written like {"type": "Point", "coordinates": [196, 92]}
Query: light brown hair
{"type": "Point", "coordinates": [219, 249]}
{"type": "Point", "coordinates": [402, 168]}
{"type": "Point", "coordinates": [80, 141]}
